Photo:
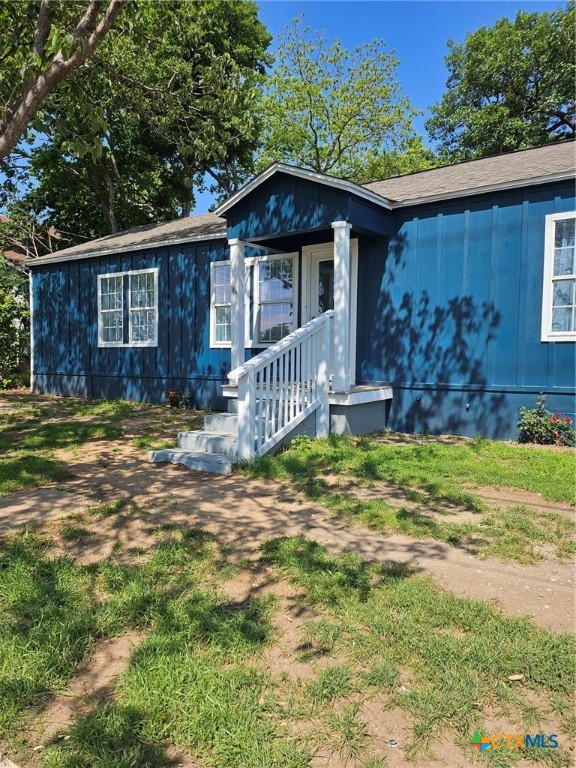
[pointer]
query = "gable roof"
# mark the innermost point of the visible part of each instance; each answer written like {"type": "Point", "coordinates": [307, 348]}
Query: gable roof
{"type": "Point", "coordinates": [526, 167]}
{"type": "Point", "coordinates": [303, 173]}
{"type": "Point", "coordinates": [206, 226]}
{"type": "Point", "coordinates": [521, 168]}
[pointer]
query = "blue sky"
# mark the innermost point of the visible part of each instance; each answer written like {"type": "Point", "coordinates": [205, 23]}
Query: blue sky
{"type": "Point", "coordinates": [417, 30]}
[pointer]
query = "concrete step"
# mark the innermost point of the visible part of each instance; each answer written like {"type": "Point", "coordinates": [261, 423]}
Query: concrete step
{"type": "Point", "coordinates": [208, 442]}
{"type": "Point", "coordinates": [226, 423]}
{"type": "Point", "coordinates": [215, 463]}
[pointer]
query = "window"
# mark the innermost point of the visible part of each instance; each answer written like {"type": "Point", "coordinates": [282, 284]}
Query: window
{"type": "Point", "coordinates": [142, 308]}
{"type": "Point", "coordinates": [133, 323]}
{"type": "Point", "coordinates": [221, 314]}
{"type": "Point", "coordinates": [270, 300]}
{"type": "Point", "coordinates": [111, 310]}
{"type": "Point", "coordinates": [559, 299]}
{"type": "Point", "coordinates": [274, 304]}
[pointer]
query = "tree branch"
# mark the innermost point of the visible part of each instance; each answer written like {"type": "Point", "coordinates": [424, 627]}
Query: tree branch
{"type": "Point", "coordinates": [42, 29]}
{"type": "Point", "coordinates": [89, 33]}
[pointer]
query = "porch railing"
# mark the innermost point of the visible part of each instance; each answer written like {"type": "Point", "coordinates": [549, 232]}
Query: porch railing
{"type": "Point", "coordinates": [282, 386]}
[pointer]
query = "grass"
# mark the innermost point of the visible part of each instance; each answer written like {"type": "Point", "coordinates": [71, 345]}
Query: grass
{"type": "Point", "coordinates": [192, 678]}
{"type": "Point", "coordinates": [436, 479]}
{"type": "Point", "coordinates": [439, 469]}
{"type": "Point", "coordinates": [196, 685]}
{"type": "Point", "coordinates": [457, 654]}
{"type": "Point", "coordinates": [27, 449]}
{"type": "Point", "coordinates": [35, 429]}
{"type": "Point", "coordinates": [48, 624]}
{"type": "Point", "coordinates": [109, 508]}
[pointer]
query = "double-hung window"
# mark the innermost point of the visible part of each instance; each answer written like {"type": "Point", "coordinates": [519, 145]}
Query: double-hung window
{"type": "Point", "coordinates": [143, 323]}
{"type": "Point", "coordinates": [274, 305]}
{"type": "Point", "coordinates": [128, 309]}
{"type": "Point", "coordinates": [559, 297]}
{"type": "Point", "coordinates": [111, 310]}
{"type": "Point", "coordinates": [221, 314]}
{"type": "Point", "coordinates": [270, 283]}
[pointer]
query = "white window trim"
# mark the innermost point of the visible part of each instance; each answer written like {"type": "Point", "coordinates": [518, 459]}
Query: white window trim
{"type": "Point", "coordinates": [213, 341]}
{"type": "Point", "coordinates": [256, 298]}
{"type": "Point", "coordinates": [548, 281]}
{"type": "Point", "coordinates": [101, 342]}
{"type": "Point", "coordinates": [152, 342]}
{"type": "Point", "coordinates": [251, 298]}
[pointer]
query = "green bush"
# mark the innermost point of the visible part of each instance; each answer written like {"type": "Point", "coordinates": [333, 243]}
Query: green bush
{"type": "Point", "coordinates": [539, 425]}
{"type": "Point", "coordinates": [14, 327]}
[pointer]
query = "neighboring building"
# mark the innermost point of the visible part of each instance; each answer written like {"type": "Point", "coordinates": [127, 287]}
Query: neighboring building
{"type": "Point", "coordinates": [453, 292]}
{"type": "Point", "coordinates": [18, 249]}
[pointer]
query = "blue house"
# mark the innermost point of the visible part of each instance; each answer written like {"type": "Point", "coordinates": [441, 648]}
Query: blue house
{"type": "Point", "coordinates": [440, 301]}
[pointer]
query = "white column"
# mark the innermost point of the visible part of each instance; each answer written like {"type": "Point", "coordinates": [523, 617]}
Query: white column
{"type": "Point", "coordinates": [341, 364]}
{"type": "Point", "coordinates": [237, 286]}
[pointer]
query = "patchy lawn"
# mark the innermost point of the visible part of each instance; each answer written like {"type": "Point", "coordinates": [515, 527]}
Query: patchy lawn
{"type": "Point", "coordinates": [167, 618]}
{"type": "Point", "coordinates": [323, 660]}
{"type": "Point", "coordinates": [432, 487]}
{"type": "Point", "coordinates": [42, 437]}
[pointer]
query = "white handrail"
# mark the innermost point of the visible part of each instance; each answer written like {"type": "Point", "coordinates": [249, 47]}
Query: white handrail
{"type": "Point", "coordinates": [282, 386]}
{"type": "Point", "coordinates": [264, 357]}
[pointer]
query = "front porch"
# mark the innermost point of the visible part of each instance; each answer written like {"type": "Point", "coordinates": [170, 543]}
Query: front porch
{"type": "Point", "coordinates": [286, 305]}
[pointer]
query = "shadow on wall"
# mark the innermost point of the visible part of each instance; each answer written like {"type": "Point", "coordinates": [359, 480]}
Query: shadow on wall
{"type": "Point", "coordinates": [436, 356]}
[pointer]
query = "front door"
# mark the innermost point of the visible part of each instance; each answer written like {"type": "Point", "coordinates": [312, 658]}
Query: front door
{"type": "Point", "coordinates": [322, 288]}
{"type": "Point", "coordinates": [318, 287]}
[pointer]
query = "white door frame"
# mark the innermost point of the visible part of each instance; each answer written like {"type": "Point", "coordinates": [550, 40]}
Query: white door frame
{"type": "Point", "coordinates": [311, 256]}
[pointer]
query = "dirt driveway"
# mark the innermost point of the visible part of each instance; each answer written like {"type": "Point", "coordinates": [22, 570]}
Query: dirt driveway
{"type": "Point", "coordinates": [243, 513]}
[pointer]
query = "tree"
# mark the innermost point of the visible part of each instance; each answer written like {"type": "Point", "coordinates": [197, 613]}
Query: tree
{"type": "Point", "coordinates": [335, 111]}
{"type": "Point", "coordinates": [511, 86]}
{"type": "Point", "coordinates": [42, 44]}
{"type": "Point", "coordinates": [14, 326]}
{"type": "Point", "coordinates": [170, 99]}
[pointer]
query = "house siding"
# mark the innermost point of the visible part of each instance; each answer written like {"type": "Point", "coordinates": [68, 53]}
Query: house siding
{"type": "Point", "coordinates": [68, 360]}
{"type": "Point", "coordinates": [449, 307]}
{"type": "Point", "coordinates": [451, 314]}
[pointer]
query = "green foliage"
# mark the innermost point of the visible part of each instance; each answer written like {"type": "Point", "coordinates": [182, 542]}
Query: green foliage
{"type": "Point", "coordinates": [27, 448]}
{"type": "Point", "coordinates": [435, 471]}
{"type": "Point", "coordinates": [539, 425]}
{"type": "Point", "coordinates": [175, 398]}
{"type": "Point", "coordinates": [511, 86]}
{"type": "Point", "coordinates": [431, 477]}
{"type": "Point", "coordinates": [14, 326]}
{"type": "Point", "coordinates": [132, 134]}
{"type": "Point", "coordinates": [337, 111]}
{"type": "Point", "coordinates": [48, 624]}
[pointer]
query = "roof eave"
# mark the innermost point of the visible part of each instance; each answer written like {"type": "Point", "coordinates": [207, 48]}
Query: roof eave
{"type": "Point", "coordinates": [487, 189]}
{"type": "Point", "coordinates": [124, 249]}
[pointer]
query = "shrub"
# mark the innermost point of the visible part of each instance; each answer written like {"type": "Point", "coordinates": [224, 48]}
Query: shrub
{"type": "Point", "coordinates": [539, 425]}
{"type": "Point", "coordinates": [177, 399]}
{"type": "Point", "coordinates": [14, 327]}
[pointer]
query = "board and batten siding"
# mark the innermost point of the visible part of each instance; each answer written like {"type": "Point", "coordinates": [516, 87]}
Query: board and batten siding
{"type": "Point", "coordinates": [450, 314]}
{"type": "Point", "coordinates": [68, 360]}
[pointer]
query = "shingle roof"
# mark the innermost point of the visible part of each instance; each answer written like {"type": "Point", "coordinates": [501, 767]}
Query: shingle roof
{"type": "Point", "coordinates": [514, 168]}
{"type": "Point", "coordinates": [511, 168]}
{"type": "Point", "coordinates": [204, 226]}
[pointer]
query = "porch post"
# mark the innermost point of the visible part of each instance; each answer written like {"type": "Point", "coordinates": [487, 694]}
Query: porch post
{"type": "Point", "coordinates": [237, 286]}
{"type": "Point", "coordinates": [341, 365]}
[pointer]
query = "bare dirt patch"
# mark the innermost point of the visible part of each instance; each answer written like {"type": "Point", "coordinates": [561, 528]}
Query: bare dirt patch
{"type": "Point", "coordinates": [94, 681]}
{"type": "Point", "coordinates": [243, 513]}
{"type": "Point", "coordinates": [510, 497]}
